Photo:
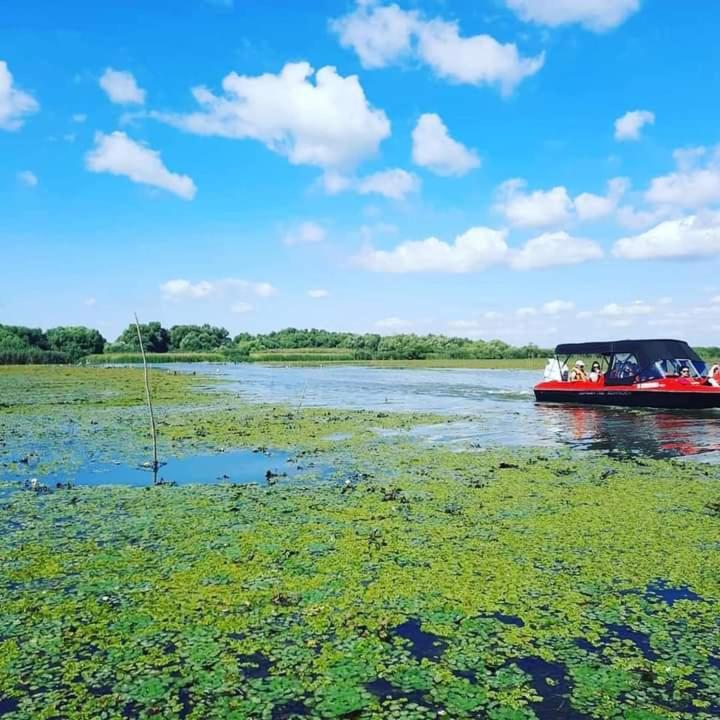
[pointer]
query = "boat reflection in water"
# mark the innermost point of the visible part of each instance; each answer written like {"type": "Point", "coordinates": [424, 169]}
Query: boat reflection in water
{"type": "Point", "coordinates": [624, 432]}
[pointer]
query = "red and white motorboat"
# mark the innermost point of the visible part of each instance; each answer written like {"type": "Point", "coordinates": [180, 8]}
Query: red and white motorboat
{"type": "Point", "coordinates": [634, 373]}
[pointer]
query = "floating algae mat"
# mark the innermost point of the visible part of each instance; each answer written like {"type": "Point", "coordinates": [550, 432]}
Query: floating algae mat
{"type": "Point", "coordinates": [474, 587]}
{"type": "Point", "coordinates": [428, 582]}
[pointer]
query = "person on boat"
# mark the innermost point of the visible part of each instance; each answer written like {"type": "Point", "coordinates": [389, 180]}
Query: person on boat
{"type": "Point", "coordinates": [684, 377]}
{"type": "Point", "coordinates": [713, 377]}
{"type": "Point", "coordinates": [595, 373]}
{"type": "Point", "coordinates": [578, 373]}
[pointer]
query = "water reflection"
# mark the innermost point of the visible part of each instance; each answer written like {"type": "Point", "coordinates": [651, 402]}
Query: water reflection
{"type": "Point", "coordinates": [625, 431]}
{"type": "Point", "coordinates": [497, 408]}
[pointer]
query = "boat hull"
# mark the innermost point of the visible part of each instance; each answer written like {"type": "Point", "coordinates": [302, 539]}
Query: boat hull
{"type": "Point", "coordinates": [700, 399]}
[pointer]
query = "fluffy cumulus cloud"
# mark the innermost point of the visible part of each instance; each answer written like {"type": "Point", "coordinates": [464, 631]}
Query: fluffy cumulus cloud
{"type": "Point", "coordinates": [306, 233]}
{"type": "Point", "coordinates": [385, 34]}
{"type": "Point", "coordinates": [27, 178]}
{"type": "Point", "coordinates": [395, 184]}
{"type": "Point", "coordinates": [15, 104]}
{"type": "Point", "coordinates": [379, 34]}
{"type": "Point", "coordinates": [326, 123]}
{"type": "Point", "coordinates": [434, 149]}
{"type": "Point", "coordinates": [182, 289]}
{"type": "Point", "coordinates": [637, 308]}
{"type": "Point", "coordinates": [687, 237]}
{"type": "Point", "coordinates": [475, 249]}
{"type": "Point", "coordinates": [552, 249]}
{"type": "Point", "coordinates": [555, 207]}
{"type": "Point", "coordinates": [633, 218]}
{"type": "Point", "coordinates": [537, 209]}
{"type": "Point", "coordinates": [695, 182]}
{"type": "Point", "coordinates": [591, 207]}
{"type": "Point", "coordinates": [478, 249]}
{"type": "Point", "coordinates": [596, 15]}
{"type": "Point", "coordinates": [628, 126]}
{"type": "Point", "coordinates": [121, 87]}
{"type": "Point", "coordinates": [120, 155]}
{"type": "Point", "coordinates": [318, 293]}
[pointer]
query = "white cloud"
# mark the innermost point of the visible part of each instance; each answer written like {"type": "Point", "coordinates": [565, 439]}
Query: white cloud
{"type": "Point", "coordinates": [433, 148]}
{"type": "Point", "coordinates": [538, 209]}
{"type": "Point", "coordinates": [79, 118]}
{"type": "Point", "coordinates": [688, 237]}
{"type": "Point", "coordinates": [263, 289]}
{"type": "Point", "coordinates": [475, 249]}
{"type": "Point", "coordinates": [637, 308]}
{"type": "Point", "coordinates": [121, 87]}
{"type": "Point", "coordinates": [182, 289]}
{"type": "Point", "coordinates": [628, 126]}
{"type": "Point", "coordinates": [394, 184]}
{"type": "Point", "coordinates": [551, 249]}
{"type": "Point", "coordinates": [557, 307]}
{"type": "Point", "coordinates": [475, 60]}
{"type": "Point", "coordinates": [27, 178]}
{"type": "Point", "coordinates": [393, 323]}
{"type": "Point", "coordinates": [318, 293]}
{"type": "Point", "coordinates": [120, 155]}
{"type": "Point", "coordinates": [597, 15]}
{"type": "Point", "coordinates": [328, 123]}
{"type": "Point", "coordinates": [241, 307]}
{"type": "Point", "coordinates": [15, 104]}
{"type": "Point", "coordinates": [379, 35]}
{"type": "Point", "coordinates": [334, 182]}
{"type": "Point", "coordinates": [306, 233]}
{"type": "Point", "coordinates": [634, 219]}
{"type": "Point", "coordinates": [385, 34]}
{"type": "Point", "coordinates": [591, 207]}
{"type": "Point", "coordinates": [693, 184]}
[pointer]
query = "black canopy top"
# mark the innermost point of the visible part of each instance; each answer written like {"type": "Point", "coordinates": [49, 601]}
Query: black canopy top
{"type": "Point", "coordinates": [646, 351]}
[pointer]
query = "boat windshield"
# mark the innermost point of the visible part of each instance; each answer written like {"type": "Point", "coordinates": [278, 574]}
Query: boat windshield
{"type": "Point", "coordinates": [623, 370]}
{"type": "Point", "coordinates": [670, 368]}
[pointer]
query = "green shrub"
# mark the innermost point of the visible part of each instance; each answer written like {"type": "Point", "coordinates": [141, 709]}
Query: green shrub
{"type": "Point", "coordinates": [32, 356]}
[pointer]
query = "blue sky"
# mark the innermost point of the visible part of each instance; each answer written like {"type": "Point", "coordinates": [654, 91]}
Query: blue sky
{"type": "Point", "coordinates": [533, 170]}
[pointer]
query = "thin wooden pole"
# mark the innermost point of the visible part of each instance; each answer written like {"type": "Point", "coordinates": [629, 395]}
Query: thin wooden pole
{"type": "Point", "coordinates": [153, 429]}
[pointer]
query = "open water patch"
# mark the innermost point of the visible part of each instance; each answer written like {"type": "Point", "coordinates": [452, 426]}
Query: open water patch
{"type": "Point", "coordinates": [236, 466]}
{"type": "Point", "coordinates": [669, 594]}
{"type": "Point", "coordinates": [551, 683]}
{"type": "Point", "coordinates": [422, 644]}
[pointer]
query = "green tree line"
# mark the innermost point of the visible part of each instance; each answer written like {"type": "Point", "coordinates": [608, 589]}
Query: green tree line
{"type": "Point", "coordinates": [69, 344]}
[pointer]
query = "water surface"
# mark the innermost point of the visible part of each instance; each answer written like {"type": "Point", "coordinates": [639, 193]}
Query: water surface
{"type": "Point", "coordinates": [497, 407]}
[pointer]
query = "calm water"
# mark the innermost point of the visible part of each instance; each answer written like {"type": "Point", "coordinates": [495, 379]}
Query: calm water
{"type": "Point", "coordinates": [497, 406]}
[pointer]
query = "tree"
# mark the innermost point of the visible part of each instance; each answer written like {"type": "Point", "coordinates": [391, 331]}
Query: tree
{"type": "Point", "coordinates": [30, 337]}
{"type": "Point", "coordinates": [10, 342]}
{"type": "Point", "coordinates": [156, 339]}
{"type": "Point", "coordinates": [204, 337]}
{"type": "Point", "coordinates": [76, 342]}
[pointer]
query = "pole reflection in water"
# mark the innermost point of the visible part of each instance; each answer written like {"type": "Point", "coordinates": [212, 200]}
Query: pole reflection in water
{"type": "Point", "coordinates": [624, 431]}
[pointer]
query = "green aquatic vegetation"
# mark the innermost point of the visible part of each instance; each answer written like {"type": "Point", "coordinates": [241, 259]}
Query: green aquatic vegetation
{"type": "Point", "coordinates": [420, 579]}
{"type": "Point", "coordinates": [222, 601]}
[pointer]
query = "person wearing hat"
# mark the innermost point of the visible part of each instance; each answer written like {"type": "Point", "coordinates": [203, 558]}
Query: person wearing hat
{"type": "Point", "coordinates": [578, 373]}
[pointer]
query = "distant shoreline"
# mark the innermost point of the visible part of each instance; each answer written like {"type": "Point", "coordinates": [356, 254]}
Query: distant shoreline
{"type": "Point", "coordinates": [487, 364]}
